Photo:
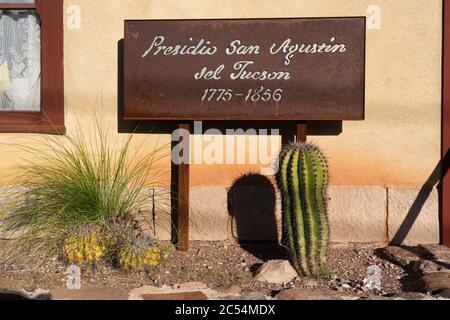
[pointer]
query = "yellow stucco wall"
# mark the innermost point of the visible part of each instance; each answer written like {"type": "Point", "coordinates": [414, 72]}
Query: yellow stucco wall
{"type": "Point", "coordinates": [397, 144]}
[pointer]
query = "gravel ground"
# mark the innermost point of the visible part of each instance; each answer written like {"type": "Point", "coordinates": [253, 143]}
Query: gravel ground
{"type": "Point", "coordinates": [213, 263]}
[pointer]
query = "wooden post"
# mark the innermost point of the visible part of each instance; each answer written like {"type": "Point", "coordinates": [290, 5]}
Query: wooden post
{"type": "Point", "coordinates": [183, 194]}
{"type": "Point", "coordinates": [301, 132]}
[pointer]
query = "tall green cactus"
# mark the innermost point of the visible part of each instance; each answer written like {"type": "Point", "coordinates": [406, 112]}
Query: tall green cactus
{"type": "Point", "coordinates": [303, 179]}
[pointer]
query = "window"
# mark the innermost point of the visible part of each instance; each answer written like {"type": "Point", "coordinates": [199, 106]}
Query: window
{"type": "Point", "coordinates": [31, 66]}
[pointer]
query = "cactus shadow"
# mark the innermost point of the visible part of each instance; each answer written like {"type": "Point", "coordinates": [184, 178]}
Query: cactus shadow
{"type": "Point", "coordinates": [252, 207]}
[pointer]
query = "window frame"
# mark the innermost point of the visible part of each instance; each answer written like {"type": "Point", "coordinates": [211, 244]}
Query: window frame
{"type": "Point", "coordinates": [50, 118]}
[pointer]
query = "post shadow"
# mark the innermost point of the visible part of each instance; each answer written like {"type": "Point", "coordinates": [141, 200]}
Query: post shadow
{"type": "Point", "coordinates": [439, 171]}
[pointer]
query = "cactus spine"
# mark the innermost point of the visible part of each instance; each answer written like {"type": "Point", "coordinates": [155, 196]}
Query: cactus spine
{"type": "Point", "coordinates": [303, 179]}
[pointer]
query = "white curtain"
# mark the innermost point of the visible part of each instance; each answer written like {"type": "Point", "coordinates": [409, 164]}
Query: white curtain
{"type": "Point", "coordinates": [20, 60]}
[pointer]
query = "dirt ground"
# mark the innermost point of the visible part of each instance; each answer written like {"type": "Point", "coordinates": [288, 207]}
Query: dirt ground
{"type": "Point", "coordinates": [213, 263]}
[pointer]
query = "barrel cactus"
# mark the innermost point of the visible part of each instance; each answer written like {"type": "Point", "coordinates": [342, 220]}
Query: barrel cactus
{"type": "Point", "coordinates": [84, 246]}
{"type": "Point", "coordinates": [139, 253]}
{"type": "Point", "coordinates": [303, 180]}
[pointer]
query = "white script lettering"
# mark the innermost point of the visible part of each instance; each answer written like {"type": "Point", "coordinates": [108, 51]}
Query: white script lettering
{"type": "Point", "coordinates": [242, 73]}
{"type": "Point", "coordinates": [237, 48]}
{"type": "Point", "coordinates": [290, 49]}
{"type": "Point", "coordinates": [203, 47]}
{"type": "Point", "coordinates": [207, 74]}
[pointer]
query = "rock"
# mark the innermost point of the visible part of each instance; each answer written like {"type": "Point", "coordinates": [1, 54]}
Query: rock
{"type": "Point", "coordinates": [186, 291]}
{"type": "Point", "coordinates": [248, 297]}
{"type": "Point", "coordinates": [346, 286]}
{"type": "Point", "coordinates": [436, 282]}
{"type": "Point", "coordinates": [364, 289]}
{"type": "Point", "coordinates": [136, 294]}
{"type": "Point", "coordinates": [89, 293]}
{"type": "Point", "coordinates": [190, 295]}
{"type": "Point", "coordinates": [420, 259]}
{"type": "Point", "coordinates": [438, 254]}
{"type": "Point", "coordinates": [381, 298]}
{"type": "Point", "coordinates": [229, 289]}
{"type": "Point", "coordinates": [412, 296]}
{"type": "Point", "coordinates": [306, 294]}
{"type": "Point", "coordinates": [310, 283]}
{"type": "Point", "coordinates": [37, 294]}
{"type": "Point", "coordinates": [12, 296]}
{"type": "Point", "coordinates": [192, 291]}
{"type": "Point", "coordinates": [253, 296]}
{"type": "Point", "coordinates": [425, 266]}
{"type": "Point", "coordinates": [22, 295]}
{"type": "Point", "coordinates": [415, 296]}
{"type": "Point", "coordinates": [445, 294]}
{"type": "Point", "coordinates": [398, 255]}
{"type": "Point", "coordinates": [277, 272]}
{"type": "Point", "coordinates": [190, 286]}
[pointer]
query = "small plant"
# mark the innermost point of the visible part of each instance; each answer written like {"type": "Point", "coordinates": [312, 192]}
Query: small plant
{"type": "Point", "coordinates": [136, 254]}
{"type": "Point", "coordinates": [85, 246]}
{"type": "Point", "coordinates": [129, 247]}
{"type": "Point", "coordinates": [303, 179]}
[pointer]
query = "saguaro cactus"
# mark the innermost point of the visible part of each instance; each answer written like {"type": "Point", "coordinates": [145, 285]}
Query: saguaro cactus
{"type": "Point", "coordinates": [303, 179]}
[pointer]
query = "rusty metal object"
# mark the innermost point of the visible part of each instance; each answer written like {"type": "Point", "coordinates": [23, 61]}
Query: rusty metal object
{"type": "Point", "coordinates": [325, 84]}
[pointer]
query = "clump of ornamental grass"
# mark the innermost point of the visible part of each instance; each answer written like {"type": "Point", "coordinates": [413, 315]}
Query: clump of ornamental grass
{"type": "Point", "coordinates": [76, 180]}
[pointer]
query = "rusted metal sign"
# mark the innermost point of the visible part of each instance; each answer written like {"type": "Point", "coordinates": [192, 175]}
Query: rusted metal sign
{"type": "Point", "coordinates": [257, 69]}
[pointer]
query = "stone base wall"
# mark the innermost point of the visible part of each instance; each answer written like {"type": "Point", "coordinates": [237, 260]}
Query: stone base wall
{"type": "Point", "coordinates": [358, 214]}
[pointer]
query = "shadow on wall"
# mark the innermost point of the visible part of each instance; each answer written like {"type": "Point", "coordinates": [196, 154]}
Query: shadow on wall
{"type": "Point", "coordinates": [252, 207]}
{"type": "Point", "coordinates": [414, 212]}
